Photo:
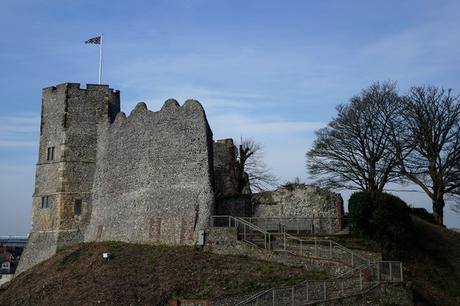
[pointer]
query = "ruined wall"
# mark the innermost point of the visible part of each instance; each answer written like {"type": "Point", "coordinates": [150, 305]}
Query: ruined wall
{"type": "Point", "coordinates": [229, 200]}
{"type": "Point", "coordinates": [299, 200]}
{"type": "Point", "coordinates": [224, 157]}
{"type": "Point", "coordinates": [69, 117]}
{"type": "Point", "coordinates": [153, 180]}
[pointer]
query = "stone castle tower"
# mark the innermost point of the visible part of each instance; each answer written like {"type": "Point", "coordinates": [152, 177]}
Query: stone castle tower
{"type": "Point", "coordinates": [61, 204]}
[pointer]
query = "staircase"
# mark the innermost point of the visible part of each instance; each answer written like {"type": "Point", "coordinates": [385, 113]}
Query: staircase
{"type": "Point", "coordinates": [362, 274]}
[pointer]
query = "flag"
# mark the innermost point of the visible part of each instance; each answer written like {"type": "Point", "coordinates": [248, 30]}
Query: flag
{"type": "Point", "coordinates": [95, 40]}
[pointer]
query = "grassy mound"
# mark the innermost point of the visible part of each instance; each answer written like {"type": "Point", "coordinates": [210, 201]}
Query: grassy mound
{"type": "Point", "coordinates": [143, 275]}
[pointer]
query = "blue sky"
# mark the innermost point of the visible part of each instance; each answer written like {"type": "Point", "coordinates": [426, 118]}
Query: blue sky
{"type": "Point", "coordinates": [270, 70]}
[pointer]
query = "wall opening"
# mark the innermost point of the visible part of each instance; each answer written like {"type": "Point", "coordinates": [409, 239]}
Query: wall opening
{"type": "Point", "coordinates": [50, 153]}
{"type": "Point", "coordinates": [77, 207]}
{"type": "Point", "coordinates": [46, 201]}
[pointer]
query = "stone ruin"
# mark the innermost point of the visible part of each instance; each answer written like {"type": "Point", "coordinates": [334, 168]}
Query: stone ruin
{"type": "Point", "coordinates": [150, 177]}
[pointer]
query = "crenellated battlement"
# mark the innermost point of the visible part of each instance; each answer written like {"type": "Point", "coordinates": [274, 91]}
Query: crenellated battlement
{"type": "Point", "coordinates": [170, 109]}
{"type": "Point", "coordinates": [77, 86]}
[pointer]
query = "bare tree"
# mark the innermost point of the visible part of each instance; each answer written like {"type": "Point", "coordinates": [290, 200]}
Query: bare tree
{"type": "Point", "coordinates": [432, 129]}
{"type": "Point", "coordinates": [250, 166]}
{"type": "Point", "coordinates": [456, 207]}
{"type": "Point", "coordinates": [455, 194]}
{"type": "Point", "coordinates": [355, 150]}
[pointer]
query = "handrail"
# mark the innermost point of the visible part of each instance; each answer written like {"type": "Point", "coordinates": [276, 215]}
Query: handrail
{"type": "Point", "coordinates": [356, 259]}
{"type": "Point", "coordinates": [333, 248]}
{"type": "Point", "coordinates": [355, 281]}
{"type": "Point", "coordinates": [257, 295]}
{"type": "Point", "coordinates": [246, 225]}
{"type": "Point", "coordinates": [362, 276]}
{"type": "Point", "coordinates": [317, 225]}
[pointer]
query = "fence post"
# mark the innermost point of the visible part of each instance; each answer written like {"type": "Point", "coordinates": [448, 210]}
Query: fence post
{"type": "Point", "coordinates": [360, 280]}
{"type": "Point", "coordinates": [343, 290]}
{"type": "Point", "coordinates": [301, 249]}
{"type": "Point", "coordinates": [378, 271]}
{"type": "Point", "coordinates": [293, 296]}
{"type": "Point", "coordinates": [307, 291]}
{"type": "Point", "coordinates": [324, 286]}
{"type": "Point", "coordinates": [269, 241]}
{"type": "Point", "coordinates": [273, 296]}
{"type": "Point", "coordinates": [284, 235]}
{"type": "Point", "coordinates": [401, 271]}
{"type": "Point", "coordinates": [244, 231]}
{"type": "Point", "coordinates": [391, 271]}
{"type": "Point", "coordinates": [330, 249]}
{"type": "Point", "coordinates": [316, 248]}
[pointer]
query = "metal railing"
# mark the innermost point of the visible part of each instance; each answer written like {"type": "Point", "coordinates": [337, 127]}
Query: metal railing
{"type": "Point", "coordinates": [299, 225]}
{"type": "Point", "coordinates": [317, 248]}
{"type": "Point", "coordinates": [312, 248]}
{"type": "Point", "coordinates": [362, 276]}
{"type": "Point", "coordinates": [246, 231]}
{"type": "Point", "coordinates": [355, 281]}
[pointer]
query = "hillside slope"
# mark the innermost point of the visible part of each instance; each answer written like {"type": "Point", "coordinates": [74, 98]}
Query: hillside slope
{"type": "Point", "coordinates": [143, 275]}
{"type": "Point", "coordinates": [434, 264]}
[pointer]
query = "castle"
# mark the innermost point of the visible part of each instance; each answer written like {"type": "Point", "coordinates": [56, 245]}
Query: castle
{"type": "Point", "coordinates": [150, 177]}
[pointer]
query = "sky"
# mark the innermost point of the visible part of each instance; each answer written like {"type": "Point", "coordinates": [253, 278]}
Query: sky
{"type": "Point", "coordinates": [273, 71]}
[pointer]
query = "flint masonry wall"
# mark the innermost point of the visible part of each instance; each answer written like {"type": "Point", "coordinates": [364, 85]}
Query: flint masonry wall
{"type": "Point", "coordinates": [299, 200]}
{"type": "Point", "coordinates": [154, 179]}
{"type": "Point", "coordinates": [69, 125]}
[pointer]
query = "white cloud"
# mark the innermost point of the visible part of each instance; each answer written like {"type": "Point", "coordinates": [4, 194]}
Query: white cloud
{"type": "Point", "coordinates": [20, 130]}
{"type": "Point", "coordinates": [17, 143]}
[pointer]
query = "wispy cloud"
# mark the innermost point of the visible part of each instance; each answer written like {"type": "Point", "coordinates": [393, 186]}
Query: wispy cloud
{"type": "Point", "coordinates": [19, 130]}
{"type": "Point", "coordinates": [418, 53]}
{"type": "Point", "coordinates": [257, 126]}
{"type": "Point", "coordinates": [212, 100]}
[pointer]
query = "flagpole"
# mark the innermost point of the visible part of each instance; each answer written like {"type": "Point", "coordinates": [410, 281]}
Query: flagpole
{"type": "Point", "coordinates": [100, 59]}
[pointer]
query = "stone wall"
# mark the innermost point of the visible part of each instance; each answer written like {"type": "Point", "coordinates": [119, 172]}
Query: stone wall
{"type": "Point", "coordinates": [229, 200]}
{"type": "Point", "coordinates": [298, 200]}
{"type": "Point", "coordinates": [153, 180]}
{"type": "Point", "coordinates": [224, 157]}
{"type": "Point", "coordinates": [237, 206]}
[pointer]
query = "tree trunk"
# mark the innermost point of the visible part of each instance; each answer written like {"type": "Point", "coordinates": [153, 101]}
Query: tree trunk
{"type": "Point", "coordinates": [438, 209]}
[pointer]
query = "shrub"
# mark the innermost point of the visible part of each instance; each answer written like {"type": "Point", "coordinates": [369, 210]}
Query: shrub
{"type": "Point", "coordinates": [360, 207]}
{"type": "Point", "coordinates": [422, 213]}
{"type": "Point", "coordinates": [383, 218]}
{"type": "Point", "coordinates": [392, 225]}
